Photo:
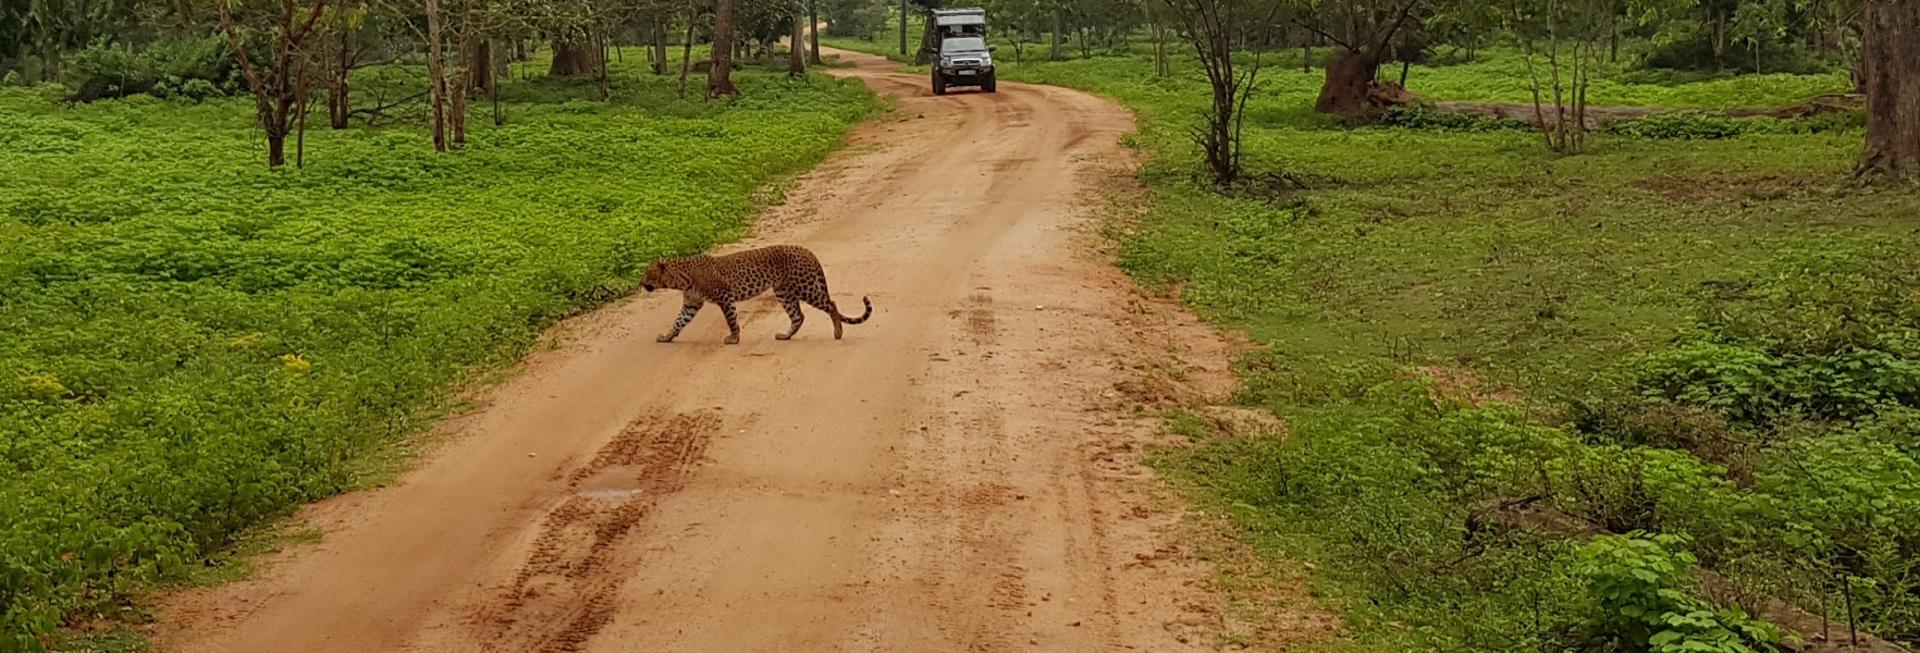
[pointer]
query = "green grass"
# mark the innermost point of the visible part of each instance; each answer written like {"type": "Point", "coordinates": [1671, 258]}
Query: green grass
{"type": "Point", "coordinates": [885, 42]}
{"type": "Point", "coordinates": [1603, 289]}
{"type": "Point", "coordinates": [191, 345]}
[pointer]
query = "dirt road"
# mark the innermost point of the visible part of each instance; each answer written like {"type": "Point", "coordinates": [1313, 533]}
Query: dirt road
{"type": "Point", "coordinates": [960, 474]}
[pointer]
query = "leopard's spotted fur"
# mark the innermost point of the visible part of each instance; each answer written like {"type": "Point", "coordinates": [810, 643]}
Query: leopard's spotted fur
{"type": "Point", "coordinates": [792, 272]}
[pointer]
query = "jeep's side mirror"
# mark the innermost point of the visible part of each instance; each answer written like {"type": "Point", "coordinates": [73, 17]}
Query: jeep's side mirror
{"type": "Point", "coordinates": [992, 48]}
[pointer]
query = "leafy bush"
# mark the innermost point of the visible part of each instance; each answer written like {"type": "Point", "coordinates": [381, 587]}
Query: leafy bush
{"type": "Point", "coordinates": [197, 68]}
{"type": "Point", "coordinates": [1693, 51]}
{"type": "Point", "coordinates": [1639, 582]}
{"type": "Point", "coordinates": [1685, 125]}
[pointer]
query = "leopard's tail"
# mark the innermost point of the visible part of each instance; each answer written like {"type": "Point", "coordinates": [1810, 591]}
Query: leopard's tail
{"type": "Point", "coordinates": [855, 320]}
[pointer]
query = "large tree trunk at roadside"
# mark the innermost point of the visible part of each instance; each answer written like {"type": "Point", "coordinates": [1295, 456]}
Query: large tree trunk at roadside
{"type": "Point", "coordinates": [929, 45]}
{"type": "Point", "coordinates": [1890, 52]}
{"type": "Point", "coordinates": [720, 75]}
{"type": "Point", "coordinates": [576, 56]}
{"type": "Point", "coordinates": [1347, 91]}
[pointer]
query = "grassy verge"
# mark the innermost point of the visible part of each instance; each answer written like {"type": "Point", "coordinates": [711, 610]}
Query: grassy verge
{"type": "Point", "coordinates": [1531, 395]}
{"type": "Point", "coordinates": [191, 345]}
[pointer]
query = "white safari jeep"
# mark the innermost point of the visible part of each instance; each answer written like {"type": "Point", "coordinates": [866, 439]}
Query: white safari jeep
{"type": "Point", "coordinates": [965, 59]}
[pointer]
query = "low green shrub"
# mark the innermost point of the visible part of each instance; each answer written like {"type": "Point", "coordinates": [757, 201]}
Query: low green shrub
{"type": "Point", "coordinates": [193, 68]}
{"type": "Point", "coordinates": [1639, 583]}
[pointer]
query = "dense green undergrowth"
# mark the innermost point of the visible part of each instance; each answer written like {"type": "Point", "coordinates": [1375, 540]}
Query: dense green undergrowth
{"type": "Point", "coordinates": [1534, 400]}
{"type": "Point", "coordinates": [191, 344]}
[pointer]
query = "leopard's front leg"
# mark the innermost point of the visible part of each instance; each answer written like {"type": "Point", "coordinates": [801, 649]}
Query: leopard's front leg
{"type": "Point", "coordinates": [733, 323]}
{"type": "Point", "coordinates": [686, 315]}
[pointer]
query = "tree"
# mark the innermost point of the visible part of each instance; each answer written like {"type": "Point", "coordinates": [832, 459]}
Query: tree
{"type": "Point", "coordinates": [1210, 26]}
{"type": "Point", "coordinates": [797, 47]}
{"type": "Point", "coordinates": [1890, 52]}
{"type": "Point", "coordinates": [279, 84]}
{"type": "Point", "coordinates": [347, 24]}
{"type": "Point", "coordinates": [813, 32]}
{"type": "Point", "coordinates": [436, 77]}
{"type": "Point", "coordinates": [1364, 30]}
{"type": "Point", "coordinates": [720, 74]}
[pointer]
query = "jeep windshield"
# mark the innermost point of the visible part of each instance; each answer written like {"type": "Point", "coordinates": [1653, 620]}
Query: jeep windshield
{"type": "Point", "coordinates": [964, 45]}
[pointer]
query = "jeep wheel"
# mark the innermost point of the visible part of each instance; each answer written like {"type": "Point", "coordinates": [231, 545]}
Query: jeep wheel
{"type": "Point", "coordinates": [989, 84]}
{"type": "Point", "coordinates": [939, 84]}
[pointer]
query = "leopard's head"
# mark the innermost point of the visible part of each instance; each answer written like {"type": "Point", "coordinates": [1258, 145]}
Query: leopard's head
{"type": "Point", "coordinates": [665, 274]}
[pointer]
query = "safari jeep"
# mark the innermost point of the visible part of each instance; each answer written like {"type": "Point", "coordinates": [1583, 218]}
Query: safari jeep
{"type": "Point", "coordinates": [964, 61]}
{"type": "Point", "coordinates": [963, 57]}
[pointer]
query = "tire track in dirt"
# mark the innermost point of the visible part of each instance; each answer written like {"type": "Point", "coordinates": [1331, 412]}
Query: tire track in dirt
{"type": "Point", "coordinates": [563, 593]}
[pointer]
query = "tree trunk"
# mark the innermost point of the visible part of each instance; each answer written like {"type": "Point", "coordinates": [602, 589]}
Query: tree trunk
{"type": "Point", "coordinates": [436, 77]}
{"type": "Point", "coordinates": [1349, 82]}
{"type": "Point", "coordinates": [686, 48]}
{"type": "Point", "coordinates": [903, 28]}
{"type": "Point", "coordinates": [1719, 43]}
{"type": "Point", "coordinates": [1891, 52]}
{"type": "Point", "coordinates": [1160, 65]}
{"type": "Point", "coordinates": [797, 48]}
{"type": "Point", "coordinates": [659, 45]}
{"type": "Point", "coordinates": [929, 45]}
{"type": "Point", "coordinates": [1059, 25]}
{"type": "Point", "coordinates": [276, 149]}
{"type": "Point", "coordinates": [575, 56]}
{"type": "Point", "coordinates": [480, 66]}
{"type": "Point", "coordinates": [813, 32]}
{"type": "Point", "coordinates": [457, 89]}
{"type": "Point", "coordinates": [339, 102]}
{"type": "Point", "coordinates": [720, 74]}
{"type": "Point", "coordinates": [1306, 52]}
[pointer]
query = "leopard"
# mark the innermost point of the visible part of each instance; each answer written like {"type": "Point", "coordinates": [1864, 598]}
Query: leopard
{"type": "Point", "coordinates": [792, 272]}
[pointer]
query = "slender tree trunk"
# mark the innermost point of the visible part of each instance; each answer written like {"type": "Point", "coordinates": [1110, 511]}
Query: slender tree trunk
{"type": "Point", "coordinates": [1306, 52]}
{"type": "Point", "coordinates": [480, 67]}
{"type": "Point", "coordinates": [493, 93]}
{"type": "Point", "coordinates": [302, 87]}
{"type": "Point", "coordinates": [903, 28]}
{"type": "Point", "coordinates": [720, 75]}
{"type": "Point", "coordinates": [600, 75]}
{"type": "Point", "coordinates": [457, 91]}
{"type": "Point", "coordinates": [1890, 50]}
{"type": "Point", "coordinates": [1160, 64]}
{"type": "Point", "coordinates": [686, 47]}
{"type": "Point", "coordinates": [1719, 43]}
{"type": "Point", "coordinates": [797, 48]}
{"type": "Point", "coordinates": [813, 32]}
{"type": "Point", "coordinates": [1059, 25]}
{"type": "Point", "coordinates": [339, 104]}
{"type": "Point", "coordinates": [436, 77]}
{"type": "Point", "coordinates": [659, 45]}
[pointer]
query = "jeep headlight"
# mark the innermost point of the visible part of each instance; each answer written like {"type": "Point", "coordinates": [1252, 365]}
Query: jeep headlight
{"type": "Point", "coordinates": [986, 60]}
{"type": "Point", "coordinates": [946, 62]}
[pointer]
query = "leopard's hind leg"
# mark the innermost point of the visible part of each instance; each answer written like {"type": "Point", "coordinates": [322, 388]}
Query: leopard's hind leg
{"type": "Point", "coordinates": [793, 313]}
